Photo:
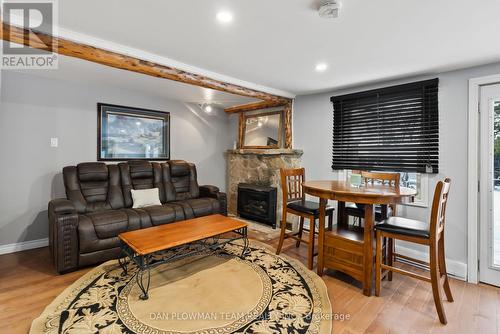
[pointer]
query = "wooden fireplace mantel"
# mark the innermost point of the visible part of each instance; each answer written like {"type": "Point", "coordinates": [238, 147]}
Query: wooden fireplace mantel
{"type": "Point", "coordinates": [266, 152]}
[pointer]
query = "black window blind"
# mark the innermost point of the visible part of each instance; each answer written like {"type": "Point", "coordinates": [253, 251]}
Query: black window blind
{"type": "Point", "coordinates": [394, 128]}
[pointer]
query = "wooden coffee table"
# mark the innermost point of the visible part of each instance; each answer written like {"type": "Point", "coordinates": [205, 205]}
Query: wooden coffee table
{"type": "Point", "coordinates": [185, 238]}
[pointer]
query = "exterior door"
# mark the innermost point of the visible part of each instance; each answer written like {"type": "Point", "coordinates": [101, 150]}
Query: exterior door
{"type": "Point", "coordinates": [489, 186]}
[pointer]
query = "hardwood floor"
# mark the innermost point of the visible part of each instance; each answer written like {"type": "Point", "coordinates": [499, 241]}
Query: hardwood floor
{"type": "Point", "coordinates": [28, 283]}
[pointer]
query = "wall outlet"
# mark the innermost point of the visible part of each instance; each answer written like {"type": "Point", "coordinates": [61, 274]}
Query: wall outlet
{"type": "Point", "coordinates": [54, 142]}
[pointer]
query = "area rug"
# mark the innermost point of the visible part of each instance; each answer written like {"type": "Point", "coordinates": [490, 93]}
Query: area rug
{"type": "Point", "coordinates": [208, 293]}
{"type": "Point", "coordinates": [266, 232]}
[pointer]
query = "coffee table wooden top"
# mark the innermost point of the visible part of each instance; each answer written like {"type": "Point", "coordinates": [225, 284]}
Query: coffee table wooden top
{"type": "Point", "coordinates": [157, 238]}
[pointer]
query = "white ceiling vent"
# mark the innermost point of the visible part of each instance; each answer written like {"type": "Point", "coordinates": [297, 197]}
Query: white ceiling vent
{"type": "Point", "coordinates": [329, 9]}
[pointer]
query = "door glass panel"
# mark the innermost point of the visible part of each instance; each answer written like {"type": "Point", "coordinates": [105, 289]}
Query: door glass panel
{"type": "Point", "coordinates": [489, 190]}
{"type": "Point", "coordinates": [496, 183]}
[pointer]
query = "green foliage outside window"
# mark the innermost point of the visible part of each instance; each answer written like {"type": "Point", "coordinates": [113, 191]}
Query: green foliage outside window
{"type": "Point", "coordinates": [496, 133]}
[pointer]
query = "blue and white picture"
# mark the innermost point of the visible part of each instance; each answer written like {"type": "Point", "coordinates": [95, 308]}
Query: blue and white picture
{"type": "Point", "coordinates": [133, 133]}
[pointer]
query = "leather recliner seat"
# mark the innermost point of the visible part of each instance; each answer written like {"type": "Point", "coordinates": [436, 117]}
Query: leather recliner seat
{"type": "Point", "coordinates": [84, 227]}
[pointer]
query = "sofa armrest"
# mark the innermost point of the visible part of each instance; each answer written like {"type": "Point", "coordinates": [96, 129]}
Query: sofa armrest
{"type": "Point", "coordinates": [61, 206]}
{"type": "Point", "coordinates": [209, 191]}
{"type": "Point", "coordinates": [214, 192]}
{"type": "Point", "coordinates": [63, 235]}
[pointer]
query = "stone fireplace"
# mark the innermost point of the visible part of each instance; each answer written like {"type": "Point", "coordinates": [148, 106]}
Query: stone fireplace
{"type": "Point", "coordinates": [260, 167]}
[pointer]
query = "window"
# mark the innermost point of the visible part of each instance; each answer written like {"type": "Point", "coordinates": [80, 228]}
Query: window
{"type": "Point", "coordinates": [417, 181]}
{"type": "Point", "coordinates": [394, 128]}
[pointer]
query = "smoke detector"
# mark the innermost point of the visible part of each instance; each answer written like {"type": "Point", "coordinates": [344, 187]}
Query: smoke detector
{"type": "Point", "coordinates": [329, 9]}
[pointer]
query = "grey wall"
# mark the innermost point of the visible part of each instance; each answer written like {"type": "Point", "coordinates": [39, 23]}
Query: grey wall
{"type": "Point", "coordinates": [312, 125]}
{"type": "Point", "coordinates": [34, 109]}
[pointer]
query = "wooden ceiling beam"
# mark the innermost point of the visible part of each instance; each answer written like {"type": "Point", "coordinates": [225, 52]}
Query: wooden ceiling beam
{"type": "Point", "coordinates": [254, 106]}
{"type": "Point", "coordinates": [113, 59]}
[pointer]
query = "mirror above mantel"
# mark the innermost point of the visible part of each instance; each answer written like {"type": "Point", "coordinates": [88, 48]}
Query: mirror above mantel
{"type": "Point", "coordinates": [263, 130]}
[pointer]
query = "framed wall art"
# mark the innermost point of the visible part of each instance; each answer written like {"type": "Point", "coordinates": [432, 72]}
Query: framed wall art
{"type": "Point", "coordinates": [126, 133]}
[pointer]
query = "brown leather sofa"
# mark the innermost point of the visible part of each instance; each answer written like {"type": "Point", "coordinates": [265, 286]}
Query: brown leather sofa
{"type": "Point", "coordinates": [84, 227]}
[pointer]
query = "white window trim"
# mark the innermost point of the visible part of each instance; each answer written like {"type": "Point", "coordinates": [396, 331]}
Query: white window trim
{"type": "Point", "coordinates": [423, 202]}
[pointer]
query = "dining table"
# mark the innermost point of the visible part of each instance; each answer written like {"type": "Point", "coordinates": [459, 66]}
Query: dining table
{"type": "Point", "coordinates": [347, 248]}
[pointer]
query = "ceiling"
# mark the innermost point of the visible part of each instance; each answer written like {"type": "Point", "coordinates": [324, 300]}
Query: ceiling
{"type": "Point", "coordinates": [278, 43]}
{"type": "Point", "coordinates": [80, 71]}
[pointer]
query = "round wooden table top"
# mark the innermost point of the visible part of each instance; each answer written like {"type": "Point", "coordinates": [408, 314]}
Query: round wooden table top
{"type": "Point", "coordinates": [366, 193]}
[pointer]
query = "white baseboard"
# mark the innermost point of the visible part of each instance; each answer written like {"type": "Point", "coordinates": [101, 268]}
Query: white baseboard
{"type": "Point", "coordinates": [454, 268]}
{"type": "Point", "coordinates": [25, 245]}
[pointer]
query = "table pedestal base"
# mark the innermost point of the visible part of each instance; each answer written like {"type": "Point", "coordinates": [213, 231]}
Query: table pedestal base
{"type": "Point", "coordinates": [350, 249]}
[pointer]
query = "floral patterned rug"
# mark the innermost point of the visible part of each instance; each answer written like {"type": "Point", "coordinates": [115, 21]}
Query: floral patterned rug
{"type": "Point", "coordinates": [211, 293]}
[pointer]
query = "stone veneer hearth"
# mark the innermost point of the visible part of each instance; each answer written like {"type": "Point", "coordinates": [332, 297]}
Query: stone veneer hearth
{"type": "Point", "coordinates": [258, 167]}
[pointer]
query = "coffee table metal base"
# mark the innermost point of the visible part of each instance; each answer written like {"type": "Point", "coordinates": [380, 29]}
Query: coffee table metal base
{"type": "Point", "coordinates": [145, 262]}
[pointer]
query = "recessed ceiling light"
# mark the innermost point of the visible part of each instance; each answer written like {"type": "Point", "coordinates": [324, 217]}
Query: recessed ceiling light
{"type": "Point", "coordinates": [224, 17]}
{"type": "Point", "coordinates": [321, 67]}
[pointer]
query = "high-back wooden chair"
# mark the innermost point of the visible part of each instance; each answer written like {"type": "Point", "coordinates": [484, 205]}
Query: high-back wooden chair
{"type": "Point", "coordinates": [381, 211]}
{"type": "Point", "coordinates": [431, 235]}
{"type": "Point", "coordinates": [294, 202]}
{"type": "Point", "coordinates": [390, 179]}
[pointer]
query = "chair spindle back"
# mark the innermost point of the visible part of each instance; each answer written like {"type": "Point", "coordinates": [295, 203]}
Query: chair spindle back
{"type": "Point", "coordinates": [291, 184]}
{"type": "Point", "coordinates": [390, 179]}
{"type": "Point", "coordinates": [438, 212]}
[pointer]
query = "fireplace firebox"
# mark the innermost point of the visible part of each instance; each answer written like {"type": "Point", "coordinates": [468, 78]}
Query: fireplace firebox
{"type": "Point", "coordinates": [257, 203]}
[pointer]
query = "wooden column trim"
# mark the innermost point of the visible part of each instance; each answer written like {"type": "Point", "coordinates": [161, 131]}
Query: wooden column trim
{"type": "Point", "coordinates": [113, 59]}
{"type": "Point", "coordinates": [254, 106]}
{"type": "Point", "coordinates": [287, 118]}
{"type": "Point", "coordinates": [241, 130]}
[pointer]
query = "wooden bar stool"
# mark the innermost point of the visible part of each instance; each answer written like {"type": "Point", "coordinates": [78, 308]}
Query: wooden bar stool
{"type": "Point", "coordinates": [294, 202]}
{"type": "Point", "coordinates": [431, 235]}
